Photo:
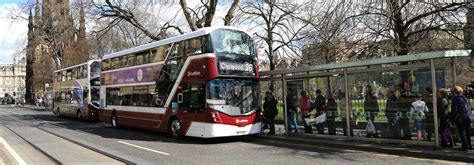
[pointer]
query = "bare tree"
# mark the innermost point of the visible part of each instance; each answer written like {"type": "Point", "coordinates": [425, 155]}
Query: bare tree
{"type": "Point", "coordinates": [197, 16]}
{"type": "Point", "coordinates": [203, 14]}
{"type": "Point", "coordinates": [281, 25]}
{"type": "Point", "coordinates": [406, 23]}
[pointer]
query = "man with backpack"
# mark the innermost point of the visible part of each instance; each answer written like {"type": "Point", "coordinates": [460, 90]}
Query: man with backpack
{"type": "Point", "coordinates": [461, 115]}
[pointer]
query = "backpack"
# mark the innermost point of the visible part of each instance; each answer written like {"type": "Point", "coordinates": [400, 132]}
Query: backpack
{"type": "Point", "coordinates": [468, 109]}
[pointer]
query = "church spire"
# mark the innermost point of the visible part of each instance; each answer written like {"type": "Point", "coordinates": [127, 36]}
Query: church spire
{"type": "Point", "coordinates": [30, 25]}
{"type": "Point", "coordinates": [82, 23]}
{"type": "Point", "coordinates": [37, 14]}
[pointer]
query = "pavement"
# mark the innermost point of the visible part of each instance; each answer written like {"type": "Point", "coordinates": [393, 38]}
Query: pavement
{"type": "Point", "coordinates": [413, 148]}
{"type": "Point", "coordinates": [416, 149]}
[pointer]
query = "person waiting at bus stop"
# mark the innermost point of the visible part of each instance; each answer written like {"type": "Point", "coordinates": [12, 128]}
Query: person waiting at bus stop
{"type": "Point", "coordinates": [418, 111]}
{"type": "Point", "coordinates": [371, 109]}
{"type": "Point", "coordinates": [429, 120]}
{"type": "Point", "coordinates": [270, 111]}
{"type": "Point", "coordinates": [305, 106]}
{"type": "Point", "coordinates": [461, 118]}
{"type": "Point", "coordinates": [292, 111]}
{"type": "Point", "coordinates": [331, 111]}
{"type": "Point", "coordinates": [320, 106]}
{"type": "Point", "coordinates": [391, 114]}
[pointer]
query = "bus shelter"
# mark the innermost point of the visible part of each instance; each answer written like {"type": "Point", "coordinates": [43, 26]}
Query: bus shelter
{"type": "Point", "coordinates": [381, 90]}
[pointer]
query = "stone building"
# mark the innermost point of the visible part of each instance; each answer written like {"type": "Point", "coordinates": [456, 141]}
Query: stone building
{"type": "Point", "coordinates": [12, 79]}
{"type": "Point", "coordinates": [54, 42]}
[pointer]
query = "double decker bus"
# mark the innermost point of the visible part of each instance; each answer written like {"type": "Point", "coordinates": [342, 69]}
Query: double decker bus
{"type": "Point", "coordinates": [201, 84]}
{"type": "Point", "coordinates": [76, 91]}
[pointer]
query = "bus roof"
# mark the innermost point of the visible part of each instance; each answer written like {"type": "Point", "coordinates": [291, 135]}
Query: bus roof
{"type": "Point", "coordinates": [63, 69]}
{"type": "Point", "coordinates": [199, 32]}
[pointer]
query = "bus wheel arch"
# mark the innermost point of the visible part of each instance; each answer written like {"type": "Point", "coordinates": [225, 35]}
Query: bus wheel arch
{"type": "Point", "coordinates": [174, 126]}
{"type": "Point", "coordinates": [114, 119]}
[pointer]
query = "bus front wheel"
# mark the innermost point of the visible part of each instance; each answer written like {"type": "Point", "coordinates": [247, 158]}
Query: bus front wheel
{"type": "Point", "coordinates": [114, 121]}
{"type": "Point", "coordinates": [174, 127]}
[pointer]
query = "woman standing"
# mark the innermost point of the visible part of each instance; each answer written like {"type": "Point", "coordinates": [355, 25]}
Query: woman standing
{"type": "Point", "coordinates": [305, 106]}
{"type": "Point", "coordinates": [443, 111]}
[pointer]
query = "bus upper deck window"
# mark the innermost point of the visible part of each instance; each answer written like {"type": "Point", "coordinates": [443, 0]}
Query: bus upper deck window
{"type": "Point", "coordinates": [116, 63]}
{"type": "Point", "coordinates": [131, 60]}
{"type": "Point", "coordinates": [124, 61]}
{"type": "Point", "coordinates": [139, 59]}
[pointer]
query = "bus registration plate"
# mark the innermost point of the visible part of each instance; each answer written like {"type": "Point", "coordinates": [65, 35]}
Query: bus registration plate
{"type": "Point", "coordinates": [241, 132]}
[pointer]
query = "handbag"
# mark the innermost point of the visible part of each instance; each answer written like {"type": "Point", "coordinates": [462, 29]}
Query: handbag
{"type": "Point", "coordinates": [308, 120]}
{"type": "Point", "coordinates": [447, 133]}
{"type": "Point", "coordinates": [370, 129]}
{"type": "Point", "coordinates": [321, 118]}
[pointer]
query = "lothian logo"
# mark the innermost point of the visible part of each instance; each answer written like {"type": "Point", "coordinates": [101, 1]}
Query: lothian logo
{"type": "Point", "coordinates": [241, 121]}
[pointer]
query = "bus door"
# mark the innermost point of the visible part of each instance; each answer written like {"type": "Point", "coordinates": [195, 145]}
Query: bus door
{"type": "Point", "coordinates": [192, 103]}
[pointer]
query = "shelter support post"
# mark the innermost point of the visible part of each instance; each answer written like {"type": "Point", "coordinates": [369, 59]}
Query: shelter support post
{"type": "Point", "coordinates": [435, 111]}
{"type": "Point", "coordinates": [285, 110]}
{"type": "Point", "coordinates": [346, 100]}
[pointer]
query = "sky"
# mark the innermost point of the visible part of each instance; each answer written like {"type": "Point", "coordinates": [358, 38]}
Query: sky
{"type": "Point", "coordinates": [13, 29]}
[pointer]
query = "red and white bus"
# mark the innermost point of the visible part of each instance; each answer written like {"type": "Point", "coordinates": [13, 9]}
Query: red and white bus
{"type": "Point", "coordinates": [76, 91]}
{"type": "Point", "coordinates": [201, 84]}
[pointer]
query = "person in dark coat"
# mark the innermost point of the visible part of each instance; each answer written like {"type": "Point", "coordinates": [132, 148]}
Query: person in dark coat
{"type": "Point", "coordinates": [320, 106]}
{"type": "Point", "coordinates": [292, 111]}
{"type": "Point", "coordinates": [429, 120]}
{"type": "Point", "coordinates": [331, 111]}
{"type": "Point", "coordinates": [270, 111]}
{"type": "Point", "coordinates": [459, 118]}
{"type": "Point", "coordinates": [391, 114]}
{"type": "Point", "coordinates": [443, 112]}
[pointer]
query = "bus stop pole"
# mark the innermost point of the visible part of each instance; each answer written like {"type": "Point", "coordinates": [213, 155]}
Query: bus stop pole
{"type": "Point", "coordinates": [435, 111]}
{"type": "Point", "coordinates": [346, 96]}
{"type": "Point", "coordinates": [285, 114]}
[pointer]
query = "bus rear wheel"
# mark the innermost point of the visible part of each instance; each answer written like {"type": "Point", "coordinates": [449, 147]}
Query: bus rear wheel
{"type": "Point", "coordinates": [113, 120]}
{"type": "Point", "coordinates": [174, 127]}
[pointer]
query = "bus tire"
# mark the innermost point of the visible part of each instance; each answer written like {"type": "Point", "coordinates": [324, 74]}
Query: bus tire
{"type": "Point", "coordinates": [174, 127]}
{"type": "Point", "coordinates": [114, 120]}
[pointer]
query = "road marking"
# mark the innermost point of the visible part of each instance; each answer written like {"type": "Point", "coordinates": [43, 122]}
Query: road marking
{"type": "Point", "coordinates": [133, 145]}
{"type": "Point", "coordinates": [14, 154]}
